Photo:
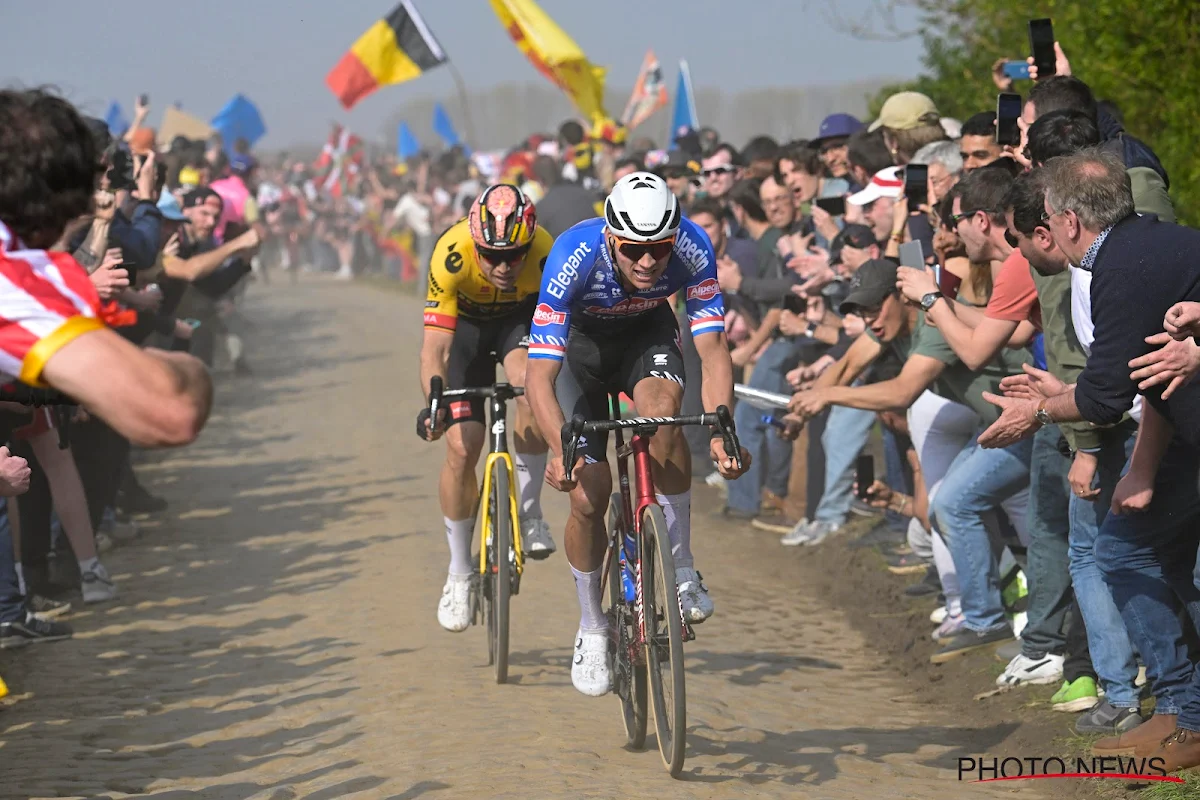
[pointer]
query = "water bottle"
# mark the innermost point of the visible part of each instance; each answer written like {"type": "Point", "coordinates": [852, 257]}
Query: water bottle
{"type": "Point", "coordinates": [627, 581]}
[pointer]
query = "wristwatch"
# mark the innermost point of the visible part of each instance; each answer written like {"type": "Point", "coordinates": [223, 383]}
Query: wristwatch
{"type": "Point", "coordinates": [811, 330]}
{"type": "Point", "coordinates": [1042, 415]}
{"type": "Point", "coordinates": [928, 300]}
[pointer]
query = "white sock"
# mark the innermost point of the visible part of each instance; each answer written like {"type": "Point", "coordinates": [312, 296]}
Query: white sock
{"type": "Point", "coordinates": [89, 565]}
{"type": "Point", "coordinates": [531, 476]}
{"type": "Point", "coordinates": [21, 579]}
{"type": "Point", "coordinates": [459, 534]}
{"type": "Point", "coordinates": [587, 587]}
{"type": "Point", "coordinates": [677, 508]}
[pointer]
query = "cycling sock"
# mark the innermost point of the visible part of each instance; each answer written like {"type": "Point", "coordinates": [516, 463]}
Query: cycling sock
{"type": "Point", "coordinates": [677, 508]}
{"type": "Point", "coordinates": [531, 476]}
{"type": "Point", "coordinates": [459, 534]}
{"type": "Point", "coordinates": [21, 579]}
{"type": "Point", "coordinates": [587, 586]}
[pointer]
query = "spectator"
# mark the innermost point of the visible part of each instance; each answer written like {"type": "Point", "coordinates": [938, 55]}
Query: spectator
{"type": "Point", "coordinates": [799, 168]}
{"type": "Point", "coordinates": [867, 154]}
{"type": "Point", "coordinates": [721, 170]}
{"type": "Point", "coordinates": [759, 156]}
{"type": "Point", "coordinates": [978, 144]}
{"type": "Point", "coordinates": [909, 121]}
{"type": "Point", "coordinates": [831, 142]}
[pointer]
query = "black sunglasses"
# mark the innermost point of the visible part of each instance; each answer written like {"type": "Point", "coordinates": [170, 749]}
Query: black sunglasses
{"type": "Point", "coordinates": [503, 256]}
{"type": "Point", "coordinates": [635, 250]}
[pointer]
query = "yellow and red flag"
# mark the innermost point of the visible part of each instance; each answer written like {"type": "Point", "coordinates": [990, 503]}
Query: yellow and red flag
{"type": "Point", "coordinates": [649, 93]}
{"type": "Point", "coordinates": [554, 54]}
{"type": "Point", "coordinates": [395, 49]}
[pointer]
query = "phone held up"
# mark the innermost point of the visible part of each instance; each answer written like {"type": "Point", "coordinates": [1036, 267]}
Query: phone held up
{"type": "Point", "coordinates": [916, 185]}
{"type": "Point", "coordinates": [833, 206]}
{"type": "Point", "coordinates": [864, 475]}
{"type": "Point", "coordinates": [1008, 111]}
{"type": "Point", "coordinates": [1041, 47]}
{"type": "Point", "coordinates": [1017, 70]}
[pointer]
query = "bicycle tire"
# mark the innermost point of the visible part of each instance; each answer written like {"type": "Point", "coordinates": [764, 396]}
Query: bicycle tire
{"type": "Point", "coordinates": [502, 544]}
{"type": "Point", "coordinates": [634, 709]}
{"type": "Point", "coordinates": [664, 639]}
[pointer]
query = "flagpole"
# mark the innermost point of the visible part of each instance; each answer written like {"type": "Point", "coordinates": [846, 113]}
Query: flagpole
{"type": "Point", "coordinates": [462, 99]}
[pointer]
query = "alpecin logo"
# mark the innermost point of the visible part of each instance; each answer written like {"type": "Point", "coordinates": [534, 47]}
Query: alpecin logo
{"type": "Point", "coordinates": [545, 315]}
{"type": "Point", "coordinates": [988, 769]}
{"type": "Point", "coordinates": [704, 291]}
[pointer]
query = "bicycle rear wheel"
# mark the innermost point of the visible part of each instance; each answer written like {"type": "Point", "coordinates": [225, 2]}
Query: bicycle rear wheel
{"type": "Point", "coordinates": [499, 576]}
{"type": "Point", "coordinates": [664, 639]}
{"type": "Point", "coordinates": [629, 680]}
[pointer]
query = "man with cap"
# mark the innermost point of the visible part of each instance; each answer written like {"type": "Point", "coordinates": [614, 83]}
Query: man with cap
{"type": "Point", "coordinates": [830, 142]}
{"type": "Point", "coordinates": [681, 171]}
{"type": "Point", "coordinates": [909, 120]}
{"type": "Point", "coordinates": [877, 201]}
{"type": "Point", "coordinates": [852, 247]}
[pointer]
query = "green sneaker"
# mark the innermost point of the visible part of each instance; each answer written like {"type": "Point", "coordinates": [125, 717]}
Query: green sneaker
{"type": "Point", "coordinates": [1077, 695]}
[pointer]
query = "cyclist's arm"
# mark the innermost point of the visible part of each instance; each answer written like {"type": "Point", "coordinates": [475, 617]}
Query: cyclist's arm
{"type": "Point", "coordinates": [435, 354]}
{"type": "Point", "coordinates": [716, 369]}
{"type": "Point", "coordinates": [918, 373]}
{"type": "Point", "coordinates": [540, 374]}
{"type": "Point", "coordinates": [846, 369]}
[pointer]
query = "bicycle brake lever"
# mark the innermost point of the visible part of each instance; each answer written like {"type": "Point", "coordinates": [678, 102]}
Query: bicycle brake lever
{"type": "Point", "coordinates": [570, 441]}
{"type": "Point", "coordinates": [733, 448]}
{"type": "Point", "coordinates": [435, 400]}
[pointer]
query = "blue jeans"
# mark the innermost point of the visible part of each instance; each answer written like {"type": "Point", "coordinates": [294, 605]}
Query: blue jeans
{"type": "Point", "coordinates": [770, 454]}
{"type": "Point", "coordinates": [1048, 566]}
{"type": "Point", "coordinates": [12, 604]}
{"type": "Point", "coordinates": [899, 478]}
{"type": "Point", "coordinates": [1108, 641]}
{"type": "Point", "coordinates": [1148, 560]}
{"type": "Point", "coordinates": [977, 482]}
{"type": "Point", "coordinates": [846, 433]}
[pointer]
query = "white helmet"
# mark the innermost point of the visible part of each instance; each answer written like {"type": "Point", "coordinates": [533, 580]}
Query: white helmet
{"type": "Point", "coordinates": [642, 208]}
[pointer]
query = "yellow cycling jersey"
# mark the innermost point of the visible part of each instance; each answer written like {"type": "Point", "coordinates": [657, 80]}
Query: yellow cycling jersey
{"type": "Point", "coordinates": [458, 287]}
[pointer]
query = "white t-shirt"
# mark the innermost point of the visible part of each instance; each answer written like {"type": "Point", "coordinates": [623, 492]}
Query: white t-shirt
{"type": "Point", "coordinates": [412, 214]}
{"type": "Point", "coordinates": [1085, 329]}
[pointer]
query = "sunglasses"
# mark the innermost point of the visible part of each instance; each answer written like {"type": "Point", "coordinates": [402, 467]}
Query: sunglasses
{"type": "Point", "coordinates": [503, 256]}
{"type": "Point", "coordinates": [724, 169]}
{"type": "Point", "coordinates": [634, 251]}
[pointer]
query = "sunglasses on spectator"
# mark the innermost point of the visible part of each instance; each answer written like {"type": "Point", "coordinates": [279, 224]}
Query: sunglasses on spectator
{"type": "Point", "coordinates": [954, 219]}
{"type": "Point", "coordinates": [503, 256]}
{"type": "Point", "coordinates": [635, 250]}
{"type": "Point", "coordinates": [724, 169]}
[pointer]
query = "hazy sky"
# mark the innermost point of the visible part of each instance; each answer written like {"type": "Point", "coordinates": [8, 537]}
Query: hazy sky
{"type": "Point", "coordinates": [277, 52]}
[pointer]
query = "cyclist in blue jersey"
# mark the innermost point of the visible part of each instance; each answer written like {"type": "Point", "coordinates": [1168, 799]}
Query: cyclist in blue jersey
{"type": "Point", "coordinates": [604, 307]}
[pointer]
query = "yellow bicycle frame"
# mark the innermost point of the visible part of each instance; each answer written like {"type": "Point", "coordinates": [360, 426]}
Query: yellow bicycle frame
{"type": "Point", "coordinates": [515, 525]}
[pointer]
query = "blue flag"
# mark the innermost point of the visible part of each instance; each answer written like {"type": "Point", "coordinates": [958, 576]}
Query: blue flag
{"type": "Point", "coordinates": [239, 119]}
{"type": "Point", "coordinates": [684, 117]}
{"type": "Point", "coordinates": [444, 127]}
{"type": "Point", "coordinates": [116, 120]}
{"type": "Point", "coordinates": [406, 144]}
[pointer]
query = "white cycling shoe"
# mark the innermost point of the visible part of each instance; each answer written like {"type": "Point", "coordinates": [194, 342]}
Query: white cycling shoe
{"type": "Point", "coordinates": [536, 541]}
{"type": "Point", "coordinates": [454, 609]}
{"type": "Point", "coordinates": [591, 664]}
{"type": "Point", "coordinates": [693, 595]}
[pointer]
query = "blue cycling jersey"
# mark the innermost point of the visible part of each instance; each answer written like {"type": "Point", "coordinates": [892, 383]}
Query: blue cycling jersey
{"type": "Point", "coordinates": [580, 288]}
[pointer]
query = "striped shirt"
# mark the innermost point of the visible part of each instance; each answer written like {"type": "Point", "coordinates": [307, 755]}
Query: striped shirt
{"type": "Point", "coordinates": [46, 301]}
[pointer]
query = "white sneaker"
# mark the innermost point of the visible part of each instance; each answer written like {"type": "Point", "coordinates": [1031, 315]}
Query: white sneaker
{"type": "Point", "coordinates": [693, 595]}
{"type": "Point", "coordinates": [1023, 671]}
{"type": "Point", "coordinates": [715, 480]}
{"type": "Point", "coordinates": [591, 665]}
{"type": "Point", "coordinates": [798, 534]}
{"type": "Point", "coordinates": [454, 609]}
{"type": "Point", "coordinates": [536, 541]}
{"type": "Point", "coordinates": [820, 531]}
{"type": "Point", "coordinates": [97, 586]}
{"type": "Point", "coordinates": [938, 615]}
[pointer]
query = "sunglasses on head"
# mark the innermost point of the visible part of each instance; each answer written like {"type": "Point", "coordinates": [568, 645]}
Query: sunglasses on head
{"type": "Point", "coordinates": [635, 250]}
{"type": "Point", "coordinates": [721, 170]}
{"type": "Point", "coordinates": [503, 256]}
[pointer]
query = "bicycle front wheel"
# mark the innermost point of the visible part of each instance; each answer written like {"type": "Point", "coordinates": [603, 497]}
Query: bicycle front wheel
{"type": "Point", "coordinates": [664, 639]}
{"type": "Point", "coordinates": [499, 569]}
{"type": "Point", "coordinates": [630, 674]}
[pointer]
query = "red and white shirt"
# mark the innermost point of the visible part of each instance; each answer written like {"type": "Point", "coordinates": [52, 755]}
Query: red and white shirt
{"type": "Point", "coordinates": [46, 301]}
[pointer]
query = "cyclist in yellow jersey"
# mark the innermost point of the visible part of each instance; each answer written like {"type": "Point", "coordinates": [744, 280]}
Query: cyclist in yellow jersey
{"type": "Point", "coordinates": [484, 277]}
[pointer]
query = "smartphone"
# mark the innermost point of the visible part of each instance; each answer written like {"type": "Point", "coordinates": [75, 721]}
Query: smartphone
{"type": "Point", "coordinates": [1017, 70]}
{"type": "Point", "coordinates": [144, 99]}
{"type": "Point", "coordinates": [833, 206]}
{"type": "Point", "coordinates": [948, 283]}
{"type": "Point", "coordinates": [912, 255]}
{"type": "Point", "coordinates": [1008, 111]}
{"type": "Point", "coordinates": [916, 185]}
{"type": "Point", "coordinates": [1041, 46]}
{"type": "Point", "coordinates": [865, 475]}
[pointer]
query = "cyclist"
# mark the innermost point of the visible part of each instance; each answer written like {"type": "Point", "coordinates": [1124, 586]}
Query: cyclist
{"type": "Point", "coordinates": [483, 283]}
{"type": "Point", "coordinates": [604, 305]}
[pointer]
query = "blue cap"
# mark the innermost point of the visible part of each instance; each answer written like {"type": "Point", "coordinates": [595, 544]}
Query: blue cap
{"type": "Point", "coordinates": [836, 125]}
{"type": "Point", "coordinates": [168, 206]}
{"type": "Point", "coordinates": [241, 163]}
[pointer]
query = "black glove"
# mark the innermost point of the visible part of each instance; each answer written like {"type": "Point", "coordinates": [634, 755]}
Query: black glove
{"type": "Point", "coordinates": [422, 419]}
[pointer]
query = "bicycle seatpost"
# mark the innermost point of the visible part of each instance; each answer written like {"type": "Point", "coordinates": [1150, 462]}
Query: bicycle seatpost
{"type": "Point", "coordinates": [570, 441]}
{"type": "Point", "coordinates": [728, 436]}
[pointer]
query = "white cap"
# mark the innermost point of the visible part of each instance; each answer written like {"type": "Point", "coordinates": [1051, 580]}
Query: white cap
{"type": "Point", "coordinates": [885, 183]}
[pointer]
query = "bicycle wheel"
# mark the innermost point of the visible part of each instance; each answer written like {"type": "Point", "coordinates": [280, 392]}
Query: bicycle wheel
{"type": "Point", "coordinates": [500, 570]}
{"type": "Point", "coordinates": [664, 639]}
{"type": "Point", "coordinates": [629, 679]}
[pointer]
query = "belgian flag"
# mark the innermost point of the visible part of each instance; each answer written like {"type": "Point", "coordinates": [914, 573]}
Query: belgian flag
{"type": "Point", "coordinates": [395, 49]}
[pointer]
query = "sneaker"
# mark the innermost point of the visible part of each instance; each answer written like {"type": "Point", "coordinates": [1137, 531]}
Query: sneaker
{"type": "Point", "coordinates": [536, 541]}
{"type": "Point", "coordinates": [32, 629]}
{"type": "Point", "coordinates": [775, 523]}
{"type": "Point", "coordinates": [906, 564]}
{"type": "Point", "coordinates": [930, 584]}
{"type": "Point", "coordinates": [715, 480]}
{"type": "Point", "coordinates": [117, 529]}
{"type": "Point", "coordinates": [1077, 695]}
{"type": "Point", "coordinates": [881, 536]}
{"type": "Point", "coordinates": [938, 615]}
{"type": "Point", "coordinates": [591, 665]}
{"type": "Point", "coordinates": [454, 609]}
{"type": "Point", "coordinates": [1007, 652]}
{"type": "Point", "coordinates": [44, 608]}
{"type": "Point", "coordinates": [797, 535]}
{"type": "Point", "coordinates": [948, 628]}
{"type": "Point", "coordinates": [863, 509]}
{"type": "Point", "coordinates": [104, 542]}
{"type": "Point", "coordinates": [97, 587]}
{"type": "Point", "coordinates": [1104, 718]}
{"type": "Point", "coordinates": [693, 595]}
{"type": "Point", "coordinates": [1026, 671]}
{"type": "Point", "coordinates": [968, 641]}
{"type": "Point", "coordinates": [820, 531]}
{"type": "Point", "coordinates": [136, 500]}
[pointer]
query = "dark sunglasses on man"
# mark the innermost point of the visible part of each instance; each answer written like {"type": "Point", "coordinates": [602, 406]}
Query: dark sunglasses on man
{"type": "Point", "coordinates": [503, 256]}
{"type": "Point", "coordinates": [635, 250]}
{"type": "Point", "coordinates": [724, 169]}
